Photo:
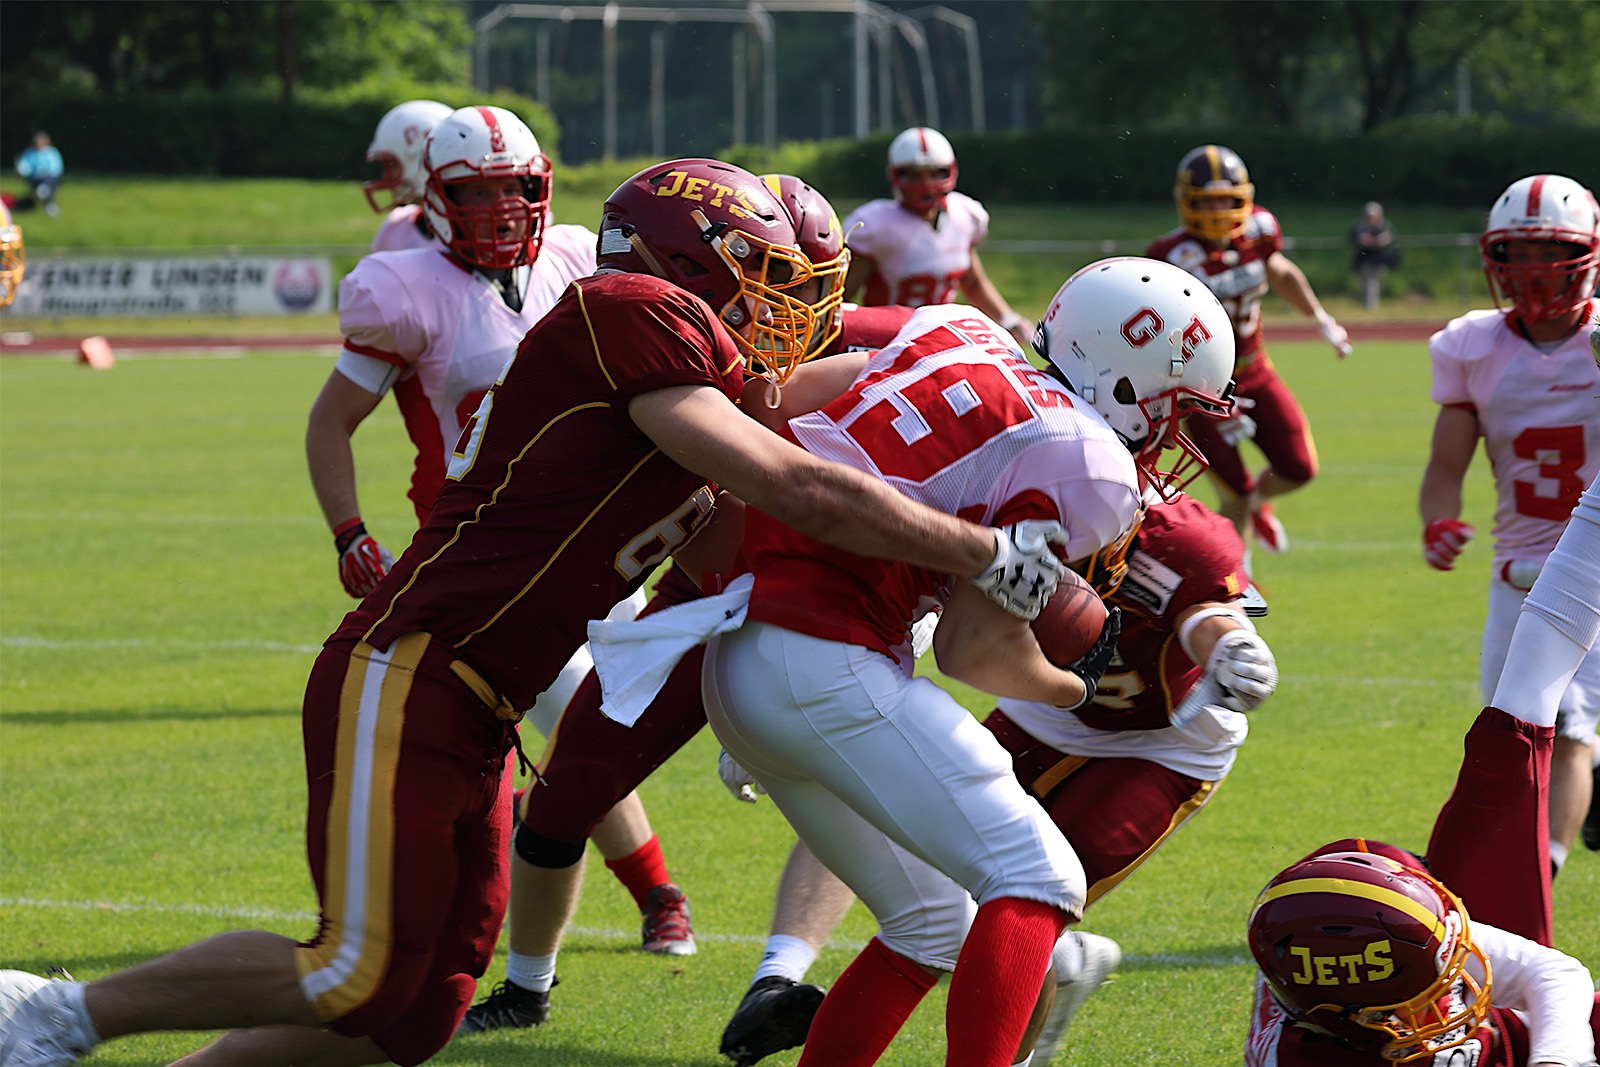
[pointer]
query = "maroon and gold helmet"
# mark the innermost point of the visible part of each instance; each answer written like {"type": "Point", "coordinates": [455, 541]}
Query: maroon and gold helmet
{"type": "Point", "coordinates": [1212, 171]}
{"type": "Point", "coordinates": [821, 238]}
{"type": "Point", "coordinates": [1373, 951]}
{"type": "Point", "coordinates": [718, 231]}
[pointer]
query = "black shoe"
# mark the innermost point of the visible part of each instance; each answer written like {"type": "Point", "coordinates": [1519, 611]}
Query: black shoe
{"type": "Point", "coordinates": [1591, 823]}
{"type": "Point", "coordinates": [774, 1015]}
{"type": "Point", "coordinates": [507, 1007]}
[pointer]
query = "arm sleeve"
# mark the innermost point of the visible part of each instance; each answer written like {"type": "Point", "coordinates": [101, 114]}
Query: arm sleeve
{"type": "Point", "coordinates": [1552, 991]}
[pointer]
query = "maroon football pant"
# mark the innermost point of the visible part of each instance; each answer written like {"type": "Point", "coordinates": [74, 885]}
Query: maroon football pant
{"type": "Point", "coordinates": [1114, 812]}
{"type": "Point", "coordinates": [1491, 841]}
{"type": "Point", "coordinates": [408, 830]}
{"type": "Point", "coordinates": [1282, 433]}
{"type": "Point", "coordinates": [591, 762]}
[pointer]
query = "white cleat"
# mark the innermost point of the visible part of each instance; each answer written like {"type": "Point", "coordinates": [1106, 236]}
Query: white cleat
{"type": "Point", "coordinates": [46, 1027]}
{"type": "Point", "coordinates": [1087, 964]}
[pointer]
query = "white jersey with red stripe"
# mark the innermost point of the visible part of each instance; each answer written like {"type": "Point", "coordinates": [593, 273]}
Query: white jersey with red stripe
{"type": "Point", "coordinates": [918, 262]}
{"type": "Point", "coordinates": [951, 415]}
{"type": "Point", "coordinates": [401, 229]}
{"type": "Point", "coordinates": [440, 334]}
{"type": "Point", "coordinates": [1539, 415]}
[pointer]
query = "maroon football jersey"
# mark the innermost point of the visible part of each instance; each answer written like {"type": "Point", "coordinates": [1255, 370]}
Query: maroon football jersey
{"type": "Point", "coordinates": [556, 505]}
{"type": "Point", "coordinates": [1184, 554]}
{"type": "Point", "coordinates": [1236, 272]}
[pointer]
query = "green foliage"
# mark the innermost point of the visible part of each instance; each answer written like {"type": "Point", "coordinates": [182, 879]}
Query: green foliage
{"type": "Point", "coordinates": [167, 580]}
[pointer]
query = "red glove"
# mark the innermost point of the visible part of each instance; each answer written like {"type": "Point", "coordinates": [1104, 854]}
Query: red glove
{"type": "Point", "coordinates": [1443, 540]}
{"type": "Point", "coordinates": [362, 561]}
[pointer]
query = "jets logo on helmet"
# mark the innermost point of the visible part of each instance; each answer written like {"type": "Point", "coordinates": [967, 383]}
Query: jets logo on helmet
{"type": "Point", "coordinates": [1373, 951]}
{"type": "Point", "coordinates": [475, 143]}
{"type": "Point", "coordinates": [1213, 192]}
{"type": "Point", "coordinates": [1145, 344]}
{"type": "Point", "coordinates": [1556, 277]}
{"type": "Point", "coordinates": [397, 146]}
{"type": "Point", "coordinates": [718, 232]}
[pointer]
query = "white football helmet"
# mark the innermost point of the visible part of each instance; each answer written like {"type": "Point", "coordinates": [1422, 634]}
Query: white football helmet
{"type": "Point", "coordinates": [1543, 207]}
{"type": "Point", "coordinates": [921, 146]}
{"type": "Point", "coordinates": [397, 146]}
{"type": "Point", "coordinates": [1144, 343]}
{"type": "Point", "coordinates": [487, 142]}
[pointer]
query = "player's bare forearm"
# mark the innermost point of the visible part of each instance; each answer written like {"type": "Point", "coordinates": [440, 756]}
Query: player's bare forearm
{"type": "Point", "coordinates": [982, 645]}
{"type": "Point", "coordinates": [340, 407]}
{"type": "Point", "coordinates": [1289, 282]}
{"type": "Point", "coordinates": [811, 386]}
{"type": "Point", "coordinates": [1455, 438]}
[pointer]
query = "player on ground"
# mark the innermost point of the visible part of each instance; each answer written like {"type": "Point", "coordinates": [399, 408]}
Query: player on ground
{"type": "Point", "coordinates": [436, 324]}
{"type": "Point", "coordinates": [877, 771]}
{"type": "Point", "coordinates": [921, 247]}
{"type": "Point", "coordinates": [1521, 378]}
{"type": "Point", "coordinates": [1118, 776]}
{"type": "Point", "coordinates": [13, 258]}
{"type": "Point", "coordinates": [397, 146]}
{"type": "Point", "coordinates": [1368, 958]}
{"type": "Point", "coordinates": [618, 421]}
{"type": "Point", "coordinates": [595, 760]}
{"type": "Point", "coordinates": [1236, 247]}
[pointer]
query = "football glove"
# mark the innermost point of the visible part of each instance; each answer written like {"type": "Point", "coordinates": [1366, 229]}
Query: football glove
{"type": "Point", "coordinates": [1443, 540]}
{"type": "Point", "coordinates": [1237, 427]}
{"type": "Point", "coordinates": [1093, 665]}
{"type": "Point", "coordinates": [740, 782]}
{"type": "Point", "coordinates": [362, 561]}
{"type": "Point", "coordinates": [1244, 666]}
{"type": "Point", "coordinates": [1334, 334]}
{"type": "Point", "coordinates": [1024, 571]}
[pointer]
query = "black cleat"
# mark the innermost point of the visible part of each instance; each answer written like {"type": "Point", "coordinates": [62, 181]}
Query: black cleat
{"type": "Point", "coordinates": [774, 1015]}
{"type": "Point", "coordinates": [507, 1007]}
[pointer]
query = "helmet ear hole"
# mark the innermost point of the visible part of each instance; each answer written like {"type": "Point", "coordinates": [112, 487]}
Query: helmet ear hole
{"type": "Point", "coordinates": [1124, 393]}
{"type": "Point", "coordinates": [690, 268]}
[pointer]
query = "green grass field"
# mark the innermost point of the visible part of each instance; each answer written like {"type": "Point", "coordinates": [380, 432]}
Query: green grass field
{"type": "Point", "coordinates": [165, 581]}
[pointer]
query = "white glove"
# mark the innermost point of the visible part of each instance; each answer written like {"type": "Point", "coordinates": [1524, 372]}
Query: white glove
{"type": "Point", "coordinates": [1334, 334]}
{"type": "Point", "coordinates": [1243, 665]}
{"type": "Point", "coordinates": [1237, 427]}
{"type": "Point", "coordinates": [1024, 572]}
{"type": "Point", "coordinates": [740, 782]}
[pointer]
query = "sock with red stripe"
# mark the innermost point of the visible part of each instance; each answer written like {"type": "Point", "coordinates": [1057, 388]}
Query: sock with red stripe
{"type": "Point", "coordinates": [641, 870]}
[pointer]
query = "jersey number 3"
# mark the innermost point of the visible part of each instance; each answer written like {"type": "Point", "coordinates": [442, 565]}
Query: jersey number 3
{"type": "Point", "coordinates": [1559, 451]}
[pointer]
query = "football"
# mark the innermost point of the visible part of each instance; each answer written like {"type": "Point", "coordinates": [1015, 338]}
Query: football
{"type": "Point", "coordinates": [1070, 623]}
{"type": "Point", "coordinates": [15, 987]}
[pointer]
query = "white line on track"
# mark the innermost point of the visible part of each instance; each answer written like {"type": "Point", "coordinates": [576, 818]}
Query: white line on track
{"type": "Point", "coordinates": [134, 642]}
{"type": "Point", "coordinates": [1160, 959]}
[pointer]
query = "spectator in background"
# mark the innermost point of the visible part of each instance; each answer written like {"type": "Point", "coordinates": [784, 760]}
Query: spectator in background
{"type": "Point", "coordinates": [1373, 251]}
{"type": "Point", "coordinates": [41, 167]}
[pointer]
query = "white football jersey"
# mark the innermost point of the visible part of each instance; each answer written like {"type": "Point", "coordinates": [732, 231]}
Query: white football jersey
{"type": "Point", "coordinates": [398, 231]}
{"type": "Point", "coordinates": [439, 334]}
{"type": "Point", "coordinates": [918, 262]}
{"type": "Point", "coordinates": [1540, 419]}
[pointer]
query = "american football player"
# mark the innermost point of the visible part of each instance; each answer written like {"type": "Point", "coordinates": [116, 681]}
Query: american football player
{"type": "Point", "coordinates": [1235, 246]}
{"type": "Point", "coordinates": [1520, 377]}
{"type": "Point", "coordinates": [613, 421]}
{"type": "Point", "coordinates": [397, 146]}
{"type": "Point", "coordinates": [921, 246]}
{"type": "Point", "coordinates": [435, 326]}
{"type": "Point", "coordinates": [13, 257]}
{"type": "Point", "coordinates": [1368, 958]}
{"type": "Point", "coordinates": [1118, 775]}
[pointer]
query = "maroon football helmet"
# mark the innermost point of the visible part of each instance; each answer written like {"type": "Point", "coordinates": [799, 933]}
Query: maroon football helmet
{"type": "Point", "coordinates": [821, 238]}
{"type": "Point", "coordinates": [1213, 171]}
{"type": "Point", "coordinates": [1373, 951]}
{"type": "Point", "coordinates": [718, 232]}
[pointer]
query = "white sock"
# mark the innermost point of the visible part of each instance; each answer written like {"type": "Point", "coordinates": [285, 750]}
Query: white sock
{"type": "Point", "coordinates": [69, 999]}
{"type": "Point", "coordinates": [786, 957]}
{"type": "Point", "coordinates": [1025, 1061]}
{"type": "Point", "coordinates": [1558, 854]}
{"type": "Point", "coordinates": [537, 973]}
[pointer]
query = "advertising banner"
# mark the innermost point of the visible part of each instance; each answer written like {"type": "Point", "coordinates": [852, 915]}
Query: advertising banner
{"type": "Point", "coordinates": [242, 285]}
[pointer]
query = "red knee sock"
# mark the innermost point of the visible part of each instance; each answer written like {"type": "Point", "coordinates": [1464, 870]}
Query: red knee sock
{"type": "Point", "coordinates": [997, 980]}
{"type": "Point", "coordinates": [866, 1007]}
{"type": "Point", "coordinates": [641, 870]}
